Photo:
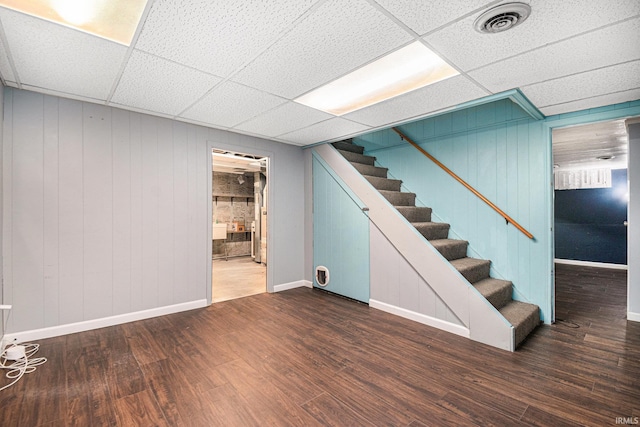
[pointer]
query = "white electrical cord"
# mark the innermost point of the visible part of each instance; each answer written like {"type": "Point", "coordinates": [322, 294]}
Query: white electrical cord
{"type": "Point", "coordinates": [20, 355]}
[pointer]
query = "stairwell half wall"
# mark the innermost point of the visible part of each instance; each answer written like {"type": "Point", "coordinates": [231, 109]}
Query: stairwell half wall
{"type": "Point", "coordinates": [499, 150]}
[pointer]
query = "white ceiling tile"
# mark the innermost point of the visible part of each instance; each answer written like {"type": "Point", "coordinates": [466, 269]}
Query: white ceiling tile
{"type": "Point", "coordinates": [337, 38]}
{"type": "Point", "coordinates": [216, 36]}
{"type": "Point", "coordinates": [283, 119]}
{"type": "Point", "coordinates": [423, 17]}
{"type": "Point", "coordinates": [549, 21]}
{"type": "Point", "coordinates": [617, 78]}
{"type": "Point", "coordinates": [231, 103]}
{"type": "Point", "coordinates": [324, 131]}
{"type": "Point", "coordinates": [420, 102]}
{"type": "Point", "coordinates": [58, 58]}
{"type": "Point", "coordinates": [155, 84]}
{"type": "Point", "coordinates": [611, 45]}
{"type": "Point", "coordinates": [596, 101]}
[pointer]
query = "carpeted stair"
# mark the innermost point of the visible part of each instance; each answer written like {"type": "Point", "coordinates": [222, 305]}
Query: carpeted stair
{"type": "Point", "coordinates": [523, 316]}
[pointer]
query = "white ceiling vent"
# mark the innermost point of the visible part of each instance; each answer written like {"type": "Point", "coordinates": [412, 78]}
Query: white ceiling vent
{"type": "Point", "coordinates": [502, 17]}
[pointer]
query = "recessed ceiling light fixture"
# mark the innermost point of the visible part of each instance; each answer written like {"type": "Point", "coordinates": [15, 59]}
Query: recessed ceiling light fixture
{"type": "Point", "coordinates": [115, 20]}
{"type": "Point", "coordinates": [607, 157]}
{"type": "Point", "coordinates": [412, 67]}
{"type": "Point", "coordinates": [502, 18]}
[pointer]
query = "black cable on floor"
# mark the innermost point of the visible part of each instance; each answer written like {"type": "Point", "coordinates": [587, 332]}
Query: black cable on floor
{"type": "Point", "coordinates": [568, 323]}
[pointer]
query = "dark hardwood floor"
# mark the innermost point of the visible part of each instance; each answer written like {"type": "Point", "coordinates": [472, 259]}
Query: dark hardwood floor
{"type": "Point", "coordinates": [304, 357]}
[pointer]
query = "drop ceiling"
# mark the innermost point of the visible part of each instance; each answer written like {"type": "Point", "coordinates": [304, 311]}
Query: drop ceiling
{"type": "Point", "coordinates": [238, 65]}
{"type": "Point", "coordinates": [592, 146]}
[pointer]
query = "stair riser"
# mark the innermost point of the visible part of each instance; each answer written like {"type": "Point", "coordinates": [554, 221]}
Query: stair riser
{"type": "Point", "coordinates": [476, 273]}
{"type": "Point", "coordinates": [452, 252]}
{"type": "Point", "coordinates": [415, 213]}
{"type": "Point", "coordinates": [525, 328]}
{"type": "Point", "coordinates": [523, 316]}
{"type": "Point", "coordinates": [384, 183]}
{"type": "Point", "coordinates": [439, 231]}
{"type": "Point", "coordinates": [358, 158]}
{"type": "Point", "coordinates": [500, 299]}
{"type": "Point", "coordinates": [347, 146]}
{"type": "Point", "coordinates": [370, 170]}
{"type": "Point", "coordinates": [397, 198]}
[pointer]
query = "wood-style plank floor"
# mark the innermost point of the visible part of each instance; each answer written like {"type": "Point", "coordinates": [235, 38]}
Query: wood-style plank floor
{"type": "Point", "coordinates": [304, 358]}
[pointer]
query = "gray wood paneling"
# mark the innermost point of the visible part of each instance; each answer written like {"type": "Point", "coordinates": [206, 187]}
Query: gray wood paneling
{"type": "Point", "coordinates": [27, 233]}
{"type": "Point", "coordinates": [51, 213]}
{"type": "Point", "coordinates": [122, 211]}
{"type": "Point", "coordinates": [107, 211]}
{"type": "Point", "coordinates": [98, 211]}
{"type": "Point", "coordinates": [71, 212]}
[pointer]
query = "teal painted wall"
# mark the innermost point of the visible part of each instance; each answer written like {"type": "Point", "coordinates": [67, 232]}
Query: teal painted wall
{"type": "Point", "coordinates": [497, 148]}
{"type": "Point", "coordinates": [340, 235]}
{"type": "Point", "coordinates": [506, 155]}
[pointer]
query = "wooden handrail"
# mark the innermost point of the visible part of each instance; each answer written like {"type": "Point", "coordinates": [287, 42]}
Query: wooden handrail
{"type": "Point", "coordinates": [463, 182]}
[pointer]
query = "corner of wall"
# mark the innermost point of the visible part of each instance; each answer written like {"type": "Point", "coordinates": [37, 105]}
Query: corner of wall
{"type": "Point", "coordinates": [1, 210]}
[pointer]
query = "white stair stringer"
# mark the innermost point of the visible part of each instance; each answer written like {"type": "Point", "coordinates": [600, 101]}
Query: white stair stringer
{"type": "Point", "coordinates": [483, 322]}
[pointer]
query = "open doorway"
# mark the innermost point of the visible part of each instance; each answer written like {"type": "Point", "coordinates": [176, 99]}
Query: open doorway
{"type": "Point", "coordinates": [239, 224]}
{"type": "Point", "coordinates": [591, 198]}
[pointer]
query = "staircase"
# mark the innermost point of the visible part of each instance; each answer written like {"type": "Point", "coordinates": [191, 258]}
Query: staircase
{"type": "Point", "coordinates": [522, 316]}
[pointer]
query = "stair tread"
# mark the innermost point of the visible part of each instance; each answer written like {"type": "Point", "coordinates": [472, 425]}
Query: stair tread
{"type": "Point", "coordinates": [448, 242]}
{"type": "Point", "coordinates": [431, 224]}
{"type": "Point", "coordinates": [348, 146]}
{"type": "Point", "coordinates": [370, 170]}
{"type": "Point", "coordinates": [451, 248]}
{"type": "Point", "coordinates": [491, 283]}
{"type": "Point", "coordinates": [380, 183]}
{"type": "Point", "coordinates": [524, 317]}
{"type": "Point", "coordinates": [468, 262]}
{"type": "Point", "coordinates": [415, 213]}
{"type": "Point", "coordinates": [379, 177]}
{"type": "Point", "coordinates": [357, 157]}
{"type": "Point", "coordinates": [385, 192]}
{"type": "Point", "coordinates": [496, 291]}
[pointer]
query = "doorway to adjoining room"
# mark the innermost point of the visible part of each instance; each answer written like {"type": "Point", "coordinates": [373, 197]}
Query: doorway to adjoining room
{"type": "Point", "coordinates": [239, 237]}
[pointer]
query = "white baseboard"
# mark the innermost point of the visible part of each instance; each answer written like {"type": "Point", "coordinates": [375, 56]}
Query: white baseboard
{"type": "Point", "coordinates": [292, 285]}
{"type": "Point", "coordinates": [87, 325]}
{"type": "Point", "coordinates": [634, 317]}
{"type": "Point", "coordinates": [420, 318]}
{"type": "Point", "coordinates": [591, 264]}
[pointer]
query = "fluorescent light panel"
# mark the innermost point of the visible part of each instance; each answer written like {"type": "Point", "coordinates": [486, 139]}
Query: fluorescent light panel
{"type": "Point", "coordinates": [115, 20]}
{"type": "Point", "coordinates": [410, 68]}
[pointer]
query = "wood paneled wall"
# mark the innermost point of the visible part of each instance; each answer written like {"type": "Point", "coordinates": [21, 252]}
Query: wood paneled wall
{"type": "Point", "coordinates": [500, 151]}
{"type": "Point", "coordinates": [108, 211]}
{"type": "Point", "coordinates": [341, 235]}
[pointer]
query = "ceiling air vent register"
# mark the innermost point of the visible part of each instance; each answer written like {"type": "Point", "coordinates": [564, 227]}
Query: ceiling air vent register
{"type": "Point", "coordinates": [502, 18]}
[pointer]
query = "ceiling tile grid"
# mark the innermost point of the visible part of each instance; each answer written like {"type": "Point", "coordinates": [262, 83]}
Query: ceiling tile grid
{"type": "Point", "coordinates": [593, 83]}
{"type": "Point", "coordinates": [230, 104]}
{"type": "Point", "coordinates": [155, 84]}
{"type": "Point", "coordinates": [283, 119]}
{"type": "Point", "coordinates": [423, 17]}
{"type": "Point", "coordinates": [239, 64]}
{"type": "Point", "coordinates": [549, 22]}
{"type": "Point", "coordinates": [337, 38]}
{"type": "Point", "coordinates": [331, 129]}
{"type": "Point", "coordinates": [593, 102]}
{"type": "Point", "coordinates": [611, 45]}
{"type": "Point", "coordinates": [444, 94]}
{"type": "Point", "coordinates": [216, 36]}
{"type": "Point", "coordinates": [60, 59]}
